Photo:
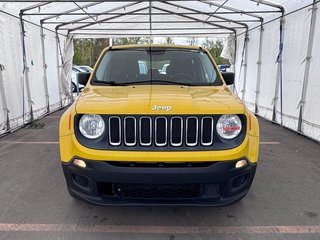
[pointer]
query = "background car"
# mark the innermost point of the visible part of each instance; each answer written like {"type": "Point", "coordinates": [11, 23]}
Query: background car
{"type": "Point", "coordinates": [74, 81]}
{"type": "Point", "coordinates": [85, 68]}
{"type": "Point", "coordinates": [224, 67]}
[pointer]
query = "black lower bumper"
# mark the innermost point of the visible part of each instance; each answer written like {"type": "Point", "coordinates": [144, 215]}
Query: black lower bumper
{"type": "Point", "coordinates": [121, 183]}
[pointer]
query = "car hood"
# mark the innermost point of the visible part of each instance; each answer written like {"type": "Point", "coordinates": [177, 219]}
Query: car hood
{"type": "Point", "coordinates": [158, 99]}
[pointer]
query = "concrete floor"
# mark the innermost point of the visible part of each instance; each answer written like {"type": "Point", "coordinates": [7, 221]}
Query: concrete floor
{"type": "Point", "coordinates": [283, 203]}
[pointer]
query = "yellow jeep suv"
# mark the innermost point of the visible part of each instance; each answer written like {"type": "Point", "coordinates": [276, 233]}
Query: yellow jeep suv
{"type": "Point", "coordinates": [157, 124]}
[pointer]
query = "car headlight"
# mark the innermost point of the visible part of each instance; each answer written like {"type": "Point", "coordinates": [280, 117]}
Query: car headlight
{"type": "Point", "coordinates": [91, 126]}
{"type": "Point", "coordinates": [229, 126]}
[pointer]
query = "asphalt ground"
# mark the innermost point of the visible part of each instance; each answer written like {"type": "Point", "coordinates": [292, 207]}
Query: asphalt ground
{"type": "Point", "coordinates": [283, 202]}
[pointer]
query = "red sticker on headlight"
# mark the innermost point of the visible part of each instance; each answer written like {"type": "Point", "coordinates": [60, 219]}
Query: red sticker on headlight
{"type": "Point", "coordinates": [231, 128]}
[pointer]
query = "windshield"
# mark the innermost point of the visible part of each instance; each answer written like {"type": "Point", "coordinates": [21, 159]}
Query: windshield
{"type": "Point", "coordinates": [156, 66]}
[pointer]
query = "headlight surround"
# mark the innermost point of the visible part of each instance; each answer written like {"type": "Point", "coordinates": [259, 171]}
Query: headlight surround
{"type": "Point", "coordinates": [229, 126]}
{"type": "Point", "coordinates": [91, 126]}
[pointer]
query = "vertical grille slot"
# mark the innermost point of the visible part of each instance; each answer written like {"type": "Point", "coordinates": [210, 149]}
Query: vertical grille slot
{"type": "Point", "coordinates": [145, 130]}
{"type": "Point", "coordinates": [192, 131]}
{"type": "Point", "coordinates": [161, 131]}
{"type": "Point", "coordinates": [176, 131]}
{"type": "Point", "coordinates": [130, 131]}
{"type": "Point", "coordinates": [207, 131]}
{"type": "Point", "coordinates": [114, 131]}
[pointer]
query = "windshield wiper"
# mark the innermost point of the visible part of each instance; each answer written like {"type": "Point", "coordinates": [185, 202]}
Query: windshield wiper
{"type": "Point", "coordinates": [111, 83]}
{"type": "Point", "coordinates": [159, 81]}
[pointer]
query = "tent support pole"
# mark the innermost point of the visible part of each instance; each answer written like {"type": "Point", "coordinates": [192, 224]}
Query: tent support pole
{"type": "Point", "coordinates": [4, 101]}
{"type": "Point", "coordinates": [307, 66]}
{"type": "Point", "coordinates": [105, 19]}
{"type": "Point", "coordinates": [232, 87]}
{"type": "Point", "coordinates": [245, 65]}
{"type": "Point", "coordinates": [58, 69]}
{"type": "Point", "coordinates": [278, 87]}
{"type": "Point", "coordinates": [150, 22]}
{"type": "Point", "coordinates": [45, 77]}
{"type": "Point", "coordinates": [259, 62]}
{"type": "Point", "coordinates": [206, 14]}
{"type": "Point", "coordinates": [25, 70]}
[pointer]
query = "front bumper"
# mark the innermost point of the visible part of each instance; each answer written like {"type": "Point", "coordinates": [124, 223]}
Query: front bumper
{"type": "Point", "coordinates": [124, 183]}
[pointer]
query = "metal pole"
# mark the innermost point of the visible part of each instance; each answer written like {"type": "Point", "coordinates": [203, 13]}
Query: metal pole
{"type": "Point", "coordinates": [150, 22]}
{"type": "Point", "coordinates": [45, 78]}
{"type": "Point", "coordinates": [278, 88]}
{"type": "Point", "coordinates": [245, 64]}
{"type": "Point", "coordinates": [3, 100]}
{"type": "Point", "coordinates": [110, 42]}
{"type": "Point", "coordinates": [307, 66]}
{"type": "Point", "coordinates": [118, 15]}
{"type": "Point", "coordinates": [44, 20]}
{"type": "Point", "coordinates": [58, 69]}
{"type": "Point", "coordinates": [145, 13]}
{"type": "Point", "coordinates": [259, 69]}
{"type": "Point", "coordinates": [106, 34]}
{"type": "Point", "coordinates": [25, 70]}
{"type": "Point", "coordinates": [164, 21]}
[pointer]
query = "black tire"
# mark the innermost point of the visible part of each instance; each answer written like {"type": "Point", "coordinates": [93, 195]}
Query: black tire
{"type": "Point", "coordinates": [73, 87]}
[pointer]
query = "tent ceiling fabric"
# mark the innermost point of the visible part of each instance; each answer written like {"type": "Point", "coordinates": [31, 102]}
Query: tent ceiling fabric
{"type": "Point", "coordinates": [167, 18]}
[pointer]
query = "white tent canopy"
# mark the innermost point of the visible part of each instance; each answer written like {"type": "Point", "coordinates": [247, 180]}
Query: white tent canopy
{"type": "Point", "coordinates": [275, 59]}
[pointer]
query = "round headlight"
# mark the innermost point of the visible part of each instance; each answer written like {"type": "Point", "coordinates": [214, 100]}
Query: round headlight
{"type": "Point", "coordinates": [229, 126]}
{"type": "Point", "coordinates": [91, 126]}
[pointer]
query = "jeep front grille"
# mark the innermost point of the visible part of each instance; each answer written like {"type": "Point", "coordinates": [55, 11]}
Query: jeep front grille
{"type": "Point", "coordinates": [160, 131]}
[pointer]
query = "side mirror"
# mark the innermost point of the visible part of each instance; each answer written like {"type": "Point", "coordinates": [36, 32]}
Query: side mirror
{"type": "Point", "coordinates": [83, 77]}
{"type": "Point", "coordinates": [228, 77]}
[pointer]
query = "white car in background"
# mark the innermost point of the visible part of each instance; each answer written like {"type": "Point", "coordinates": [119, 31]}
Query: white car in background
{"type": "Point", "coordinates": [85, 69]}
{"type": "Point", "coordinates": [74, 81]}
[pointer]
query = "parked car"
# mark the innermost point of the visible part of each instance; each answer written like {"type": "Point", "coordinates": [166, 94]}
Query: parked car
{"type": "Point", "coordinates": [224, 67]}
{"type": "Point", "coordinates": [141, 137]}
{"type": "Point", "coordinates": [86, 69]}
{"type": "Point", "coordinates": [74, 80]}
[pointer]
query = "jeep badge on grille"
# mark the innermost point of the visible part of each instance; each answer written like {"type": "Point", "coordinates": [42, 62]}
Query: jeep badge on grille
{"type": "Point", "coordinates": [159, 108]}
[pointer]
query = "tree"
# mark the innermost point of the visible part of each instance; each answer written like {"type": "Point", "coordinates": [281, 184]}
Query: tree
{"type": "Point", "coordinates": [169, 40]}
{"type": "Point", "coordinates": [192, 41]}
{"type": "Point", "coordinates": [126, 41]}
{"type": "Point", "coordinates": [215, 48]}
{"type": "Point", "coordinates": [87, 51]}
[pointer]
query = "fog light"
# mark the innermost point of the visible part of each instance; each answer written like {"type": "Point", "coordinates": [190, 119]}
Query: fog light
{"type": "Point", "coordinates": [241, 163]}
{"type": "Point", "coordinates": [80, 163]}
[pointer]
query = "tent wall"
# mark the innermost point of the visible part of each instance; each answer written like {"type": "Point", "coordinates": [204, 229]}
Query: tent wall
{"type": "Point", "coordinates": [52, 69]}
{"type": "Point", "coordinates": [11, 59]}
{"type": "Point", "coordinates": [269, 95]}
{"type": "Point", "coordinates": [311, 115]}
{"type": "Point", "coordinates": [15, 87]}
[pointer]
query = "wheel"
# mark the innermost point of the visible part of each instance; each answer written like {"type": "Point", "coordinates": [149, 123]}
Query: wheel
{"type": "Point", "coordinates": [73, 87]}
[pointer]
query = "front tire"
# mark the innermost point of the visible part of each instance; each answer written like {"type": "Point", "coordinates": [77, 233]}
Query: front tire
{"type": "Point", "coordinates": [73, 87]}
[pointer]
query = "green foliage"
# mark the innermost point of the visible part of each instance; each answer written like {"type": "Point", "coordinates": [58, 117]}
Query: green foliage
{"type": "Point", "coordinates": [193, 41]}
{"type": "Point", "coordinates": [215, 48]}
{"type": "Point", "coordinates": [169, 40]}
{"type": "Point", "coordinates": [87, 51]}
{"type": "Point", "coordinates": [131, 40]}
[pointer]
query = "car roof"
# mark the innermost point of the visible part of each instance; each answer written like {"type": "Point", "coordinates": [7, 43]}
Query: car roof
{"type": "Point", "coordinates": [155, 46]}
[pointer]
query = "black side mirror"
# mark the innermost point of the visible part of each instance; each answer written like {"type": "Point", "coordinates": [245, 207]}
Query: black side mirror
{"type": "Point", "coordinates": [228, 77]}
{"type": "Point", "coordinates": [83, 77]}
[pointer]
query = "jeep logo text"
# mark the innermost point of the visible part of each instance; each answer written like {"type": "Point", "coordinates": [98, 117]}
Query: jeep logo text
{"type": "Point", "coordinates": [159, 108]}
